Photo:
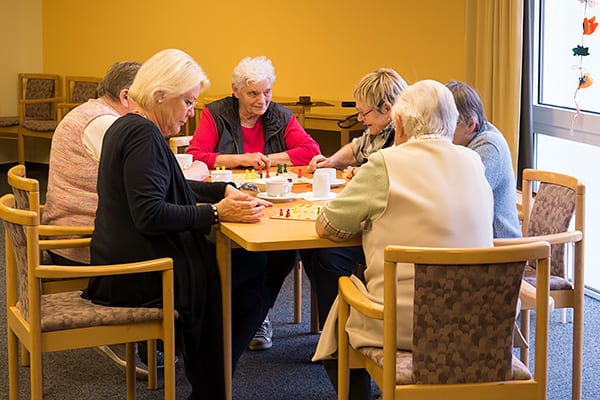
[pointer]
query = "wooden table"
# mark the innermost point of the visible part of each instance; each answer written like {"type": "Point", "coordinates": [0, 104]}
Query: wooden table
{"type": "Point", "coordinates": [267, 235]}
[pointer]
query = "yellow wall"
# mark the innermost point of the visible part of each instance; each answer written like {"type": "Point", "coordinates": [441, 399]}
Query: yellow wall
{"type": "Point", "coordinates": [21, 44]}
{"type": "Point", "coordinates": [319, 47]}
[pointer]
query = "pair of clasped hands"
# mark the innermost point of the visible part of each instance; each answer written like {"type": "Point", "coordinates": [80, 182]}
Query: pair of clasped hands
{"type": "Point", "coordinates": [320, 161]}
{"type": "Point", "coordinates": [238, 206]}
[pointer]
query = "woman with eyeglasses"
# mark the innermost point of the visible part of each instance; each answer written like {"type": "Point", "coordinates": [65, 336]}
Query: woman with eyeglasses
{"type": "Point", "coordinates": [147, 209]}
{"type": "Point", "coordinates": [374, 95]}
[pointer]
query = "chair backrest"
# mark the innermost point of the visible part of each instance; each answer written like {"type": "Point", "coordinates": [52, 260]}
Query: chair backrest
{"type": "Point", "coordinates": [79, 89]}
{"type": "Point", "coordinates": [177, 143]}
{"type": "Point", "coordinates": [560, 199]}
{"type": "Point", "coordinates": [464, 311]}
{"type": "Point", "coordinates": [21, 230]}
{"type": "Point", "coordinates": [37, 87]}
{"type": "Point", "coordinates": [26, 190]}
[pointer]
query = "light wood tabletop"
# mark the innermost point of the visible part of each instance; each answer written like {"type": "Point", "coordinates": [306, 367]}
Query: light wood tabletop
{"type": "Point", "coordinates": [267, 235]}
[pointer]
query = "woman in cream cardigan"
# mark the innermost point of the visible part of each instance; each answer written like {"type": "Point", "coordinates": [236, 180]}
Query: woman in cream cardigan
{"type": "Point", "coordinates": [425, 191]}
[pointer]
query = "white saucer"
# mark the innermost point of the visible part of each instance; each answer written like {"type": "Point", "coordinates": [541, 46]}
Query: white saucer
{"type": "Point", "coordinates": [288, 197]}
{"type": "Point", "coordinates": [333, 184]}
{"type": "Point", "coordinates": [310, 197]}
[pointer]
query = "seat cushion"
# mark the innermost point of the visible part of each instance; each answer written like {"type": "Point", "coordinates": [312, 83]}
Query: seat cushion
{"type": "Point", "coordinates": [556, 282]}
{"type": "Point", "coordinates": [9, 121]}
{"type": "Point", "coordinates": [68, 310]}
{"type": "Point", "coordinates": [404, 365]}
{"type": "Point", "coordinates": [40, 125]}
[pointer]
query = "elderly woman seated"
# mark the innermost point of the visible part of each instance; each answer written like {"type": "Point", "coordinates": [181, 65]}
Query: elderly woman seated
{"type": "Point", "coordinates": [425, 191]}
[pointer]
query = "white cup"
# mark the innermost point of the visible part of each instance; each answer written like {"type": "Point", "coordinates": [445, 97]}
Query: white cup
{"type": "Point", "coordinates": [184, 160]}
{"type": "Point", "coordinates": [221, 175]}
{"type": "Point", "coordinates": [321, 183]}
{"type": "Point", "coordinates": [278, 186]}
{"type": "Point", "coordinates": [330, 171]}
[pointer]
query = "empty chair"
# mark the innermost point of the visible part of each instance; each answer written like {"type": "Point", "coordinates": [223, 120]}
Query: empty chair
{"type": "Point", "coordinates": [38, 99]}
{"type": "Point", "coordinates": [78, 89]}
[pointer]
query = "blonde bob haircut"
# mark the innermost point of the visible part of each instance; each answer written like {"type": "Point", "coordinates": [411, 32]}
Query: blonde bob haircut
{"type": "Point", "coordinates": [379, 88]}
{"type": "Point", "coordinates": [253, 70]}
{"type": "Point", "coordinates": [169, 71]}
{"type": "Point", "coordinates": [426, 108]}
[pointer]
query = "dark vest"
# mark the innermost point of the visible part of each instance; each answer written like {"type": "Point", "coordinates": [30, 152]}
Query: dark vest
{"type": "Point", "coordinates": [227, 120]}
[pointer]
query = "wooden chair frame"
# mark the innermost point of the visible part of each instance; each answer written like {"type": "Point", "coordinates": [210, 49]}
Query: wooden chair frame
{"type": "Point", "coordinates": [385, 377]}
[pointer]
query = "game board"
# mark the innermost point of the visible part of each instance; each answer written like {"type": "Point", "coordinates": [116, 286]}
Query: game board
{"type": "Point", "coordinates": [298, 212]}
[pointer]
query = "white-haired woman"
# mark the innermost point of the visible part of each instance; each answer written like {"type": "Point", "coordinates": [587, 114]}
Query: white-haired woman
{"type": "Point", "coordinates": [247, 129]}
{"type": "Point", "coordinates": [425, 191]}
{"type": "Point", "coordinates": [147, 209]}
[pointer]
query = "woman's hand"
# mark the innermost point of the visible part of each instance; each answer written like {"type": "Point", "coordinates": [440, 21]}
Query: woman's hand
{"type": "Point", "coordinates": [316, 162]}
{"type": "Point", "coordinates": [349, 172]}
{"type": "Point", "coordinates": [255, 160]}
{"type": "Point", "coordinates": [238, 206]}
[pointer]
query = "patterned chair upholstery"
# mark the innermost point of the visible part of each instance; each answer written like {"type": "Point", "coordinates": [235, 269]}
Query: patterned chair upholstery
{"type": "Point", "coordinates": [78, 90]}
{"type": "Point", "coordinates": [64, 321]}
{"type": "Point", "coordinates": [556, 213]}
{"type": "Point", "coordinates": [38, 99]}
{"type": "Point", "coordinates": [463, 320]}
{"type": "Point", "coordinates": [9, 127]}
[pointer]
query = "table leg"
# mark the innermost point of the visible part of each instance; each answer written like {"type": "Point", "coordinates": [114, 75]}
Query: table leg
{"type": "Point", "coordinates": [223, 244]}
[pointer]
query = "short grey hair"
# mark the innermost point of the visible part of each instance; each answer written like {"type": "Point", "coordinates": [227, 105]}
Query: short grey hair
{"type": "Point", "coordinates": [378, 88]}
{"type": "Point", "coordinates": [253, 70]}
{"type": "Point", "coordinates": [119, 76]}
{"type": "Point", "coordinates": [426, 108]}
{"type": "Point", "coordinates": [170, 71]}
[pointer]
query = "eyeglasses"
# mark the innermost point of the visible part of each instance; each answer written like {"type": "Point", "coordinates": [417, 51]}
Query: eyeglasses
{"type": "Point", "coordinates": [364, 114]}
{"type": "Point", "coordinates": [189, 103]}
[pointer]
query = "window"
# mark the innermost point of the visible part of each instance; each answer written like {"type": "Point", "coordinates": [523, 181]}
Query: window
{"type": "Point", "coordinates": [566, 140]}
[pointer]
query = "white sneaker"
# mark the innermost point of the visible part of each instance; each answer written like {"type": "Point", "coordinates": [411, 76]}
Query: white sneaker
{"type": "Point", "coordinates": [263, 339]}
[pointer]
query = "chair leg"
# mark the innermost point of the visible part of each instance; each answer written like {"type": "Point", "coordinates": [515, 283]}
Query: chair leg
{"type": "Point", "coordinates": [298, 292]}
{"type": "Point", "coordinates": [21, 148]}
{"type": "Point", "coordinates": [525, 324]}
{"type": "Point", "coordinates": [577, 350]}
{"type": "Point", "coordinates": [152, 381]}
{"type": "Point", "coordinates": [110, 354]}
{"type": "Point", "coordinates": [24, 356]}
{"type": "Point", "coordinates": [314, 313]}
{"type": "Point", "coordinates": [130, 370]}
{"type": "Point", "coordinates": [35, 373]}
{"type": "Point", "coordinates": [13, 366]}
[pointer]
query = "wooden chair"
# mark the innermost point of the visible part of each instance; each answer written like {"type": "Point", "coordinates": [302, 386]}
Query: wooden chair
{"type": "Point", "coordinates": [38, 99]}
{"type": "Point", "coordinates": [65, 321]}
{"type": "Point", "coordinates": [27, 197]}
{"type": "Point", "coordinates": [549, 215]}
{"type": "Point", "coordinates": [179, 144]}
{"type": "Point", "coordinates": [78, 90]}
{"type": "Point", "coordinates": [463, 320]}
{"type": "Point", "coordinates": [9, 127]}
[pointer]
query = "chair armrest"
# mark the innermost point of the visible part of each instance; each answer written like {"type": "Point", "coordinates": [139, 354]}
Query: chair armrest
{"type": "Point", "coordinates": [359, 301]}
{"type": "Point", "coordinates": [555, 238]}
{"type": "Point", "coordinates": [72, 243]}
{"type": "Point", "coordinates": [43, 100]}
{"type": "Point", "coordinates": [65, 271]}
{"type": "Point", "coordinates": [65, 230]}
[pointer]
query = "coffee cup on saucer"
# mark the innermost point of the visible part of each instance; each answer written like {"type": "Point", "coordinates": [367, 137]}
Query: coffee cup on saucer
{"type": "Point", "coordinates": [278, 186]}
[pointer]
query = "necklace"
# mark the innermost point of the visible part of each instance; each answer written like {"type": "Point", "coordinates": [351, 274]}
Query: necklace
{"type": "Point", "coordinates": [141, 114]}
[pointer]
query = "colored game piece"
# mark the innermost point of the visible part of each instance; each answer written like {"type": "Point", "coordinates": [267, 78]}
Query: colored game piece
{"type": "Point", "coordinates": [299, 172]}
{"type": "Point", "coordinates": [247, 174]}
{"type": "Point", "coordinates": [285, 168]}
{"type": "Point", "coordinates": [267, 176]}
{"type": "Point", "coordinates": [287, 213]}
{"type": "Point", "coordinates": [253, 173]}
{"type": "Point", "coordinates": [281, 212]}
{"type": "Point", "coordinates": [260, 175]}
{"type": "Point", "coordinates": [279, 170]}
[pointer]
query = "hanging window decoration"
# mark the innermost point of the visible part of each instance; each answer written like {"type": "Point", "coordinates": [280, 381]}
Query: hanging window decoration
{"type": "Point", "coordinates": [581, 51]}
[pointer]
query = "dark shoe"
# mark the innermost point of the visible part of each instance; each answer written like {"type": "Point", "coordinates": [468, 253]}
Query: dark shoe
{"type": "Point", "coordinates": [263, 339]}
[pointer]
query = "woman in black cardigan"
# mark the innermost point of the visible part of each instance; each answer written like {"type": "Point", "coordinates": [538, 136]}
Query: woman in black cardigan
{"type": "Point", "coordinates": [146, 209]}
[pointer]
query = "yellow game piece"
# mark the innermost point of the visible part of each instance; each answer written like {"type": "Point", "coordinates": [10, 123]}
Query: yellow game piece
{"type": "Point", "coordinates": [247, 174]}
{"type": "Point", "coordinates": [253, 173]}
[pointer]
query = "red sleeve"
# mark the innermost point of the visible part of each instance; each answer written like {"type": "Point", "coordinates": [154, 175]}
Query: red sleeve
{"type": "Point", "coordinates": [301, 147]}
{"type": "Point", "coordinates": [205, 140]}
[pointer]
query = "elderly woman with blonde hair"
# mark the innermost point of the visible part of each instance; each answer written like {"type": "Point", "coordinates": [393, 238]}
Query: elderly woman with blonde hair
{"type": "Point", "coordinates": [147, 209]}
{"type": "Point", "coordinates": [425, 191]}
